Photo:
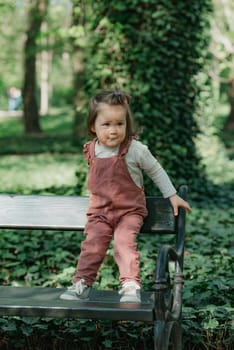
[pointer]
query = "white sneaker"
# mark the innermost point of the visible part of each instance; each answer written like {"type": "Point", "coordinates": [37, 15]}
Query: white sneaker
{"type": "Point", "coordinates": [130, 292]}
{"type": "Point", "coordinates": [78, 290]}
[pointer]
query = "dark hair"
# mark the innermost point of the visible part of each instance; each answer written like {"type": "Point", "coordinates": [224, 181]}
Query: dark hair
{"type": "Point", "coordinates": [112, 98]}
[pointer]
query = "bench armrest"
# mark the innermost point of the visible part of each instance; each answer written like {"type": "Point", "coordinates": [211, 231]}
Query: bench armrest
{"type": "Point", "coordinates": [168, 294]}
{"type": "Point", "coordinates": [166, 254]}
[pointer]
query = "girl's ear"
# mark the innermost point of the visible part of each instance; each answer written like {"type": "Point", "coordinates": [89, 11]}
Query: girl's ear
{"type": "Point", "coordinates": [92, 128]}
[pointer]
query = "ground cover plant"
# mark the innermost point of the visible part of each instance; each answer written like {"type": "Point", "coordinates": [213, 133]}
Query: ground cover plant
{"type": "Point", "coordinates": [36, 258]}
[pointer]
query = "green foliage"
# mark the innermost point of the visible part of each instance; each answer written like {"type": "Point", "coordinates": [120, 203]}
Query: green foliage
{"type": "Point", "coordinates": [72, 334]}
{"type": "Point", "coordinates": [32, 257]}
{"type": "Point", "coordinates": [53, 38]}
{"type": "Point", "coordinates": [154, 50]}
{"type": "Point", "coordinates": [12, 26]}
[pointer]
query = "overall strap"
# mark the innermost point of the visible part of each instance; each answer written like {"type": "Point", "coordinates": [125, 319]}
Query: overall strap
{"type": "Point", "coordinates": [89, 150]}
{"type": "Point", "coordinates": [125, 146]}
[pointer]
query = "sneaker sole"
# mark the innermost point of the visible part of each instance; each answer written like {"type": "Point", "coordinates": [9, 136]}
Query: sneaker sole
{"type": "Point", "coordinates": [68, 296]}
{"type": "Point", "coordinates": [73, 296]}
{"type": "Point", "coordinates": [130, 299]}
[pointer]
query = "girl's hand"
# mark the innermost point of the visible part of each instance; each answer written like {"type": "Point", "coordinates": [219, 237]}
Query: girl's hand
{"type": "Point", "coordinates": [176, 202]}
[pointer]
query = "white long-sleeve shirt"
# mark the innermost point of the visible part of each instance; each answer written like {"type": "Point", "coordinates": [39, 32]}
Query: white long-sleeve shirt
{"type": "Point", "coordinates": [138, 159]}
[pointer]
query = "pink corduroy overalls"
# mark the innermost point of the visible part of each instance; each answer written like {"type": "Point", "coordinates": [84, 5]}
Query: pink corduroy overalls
{"type": "Point", "coordinates": [116, 209]}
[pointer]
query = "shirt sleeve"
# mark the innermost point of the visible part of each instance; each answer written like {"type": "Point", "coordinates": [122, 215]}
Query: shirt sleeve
{"type": "Point", "coordinates": [150, 165]}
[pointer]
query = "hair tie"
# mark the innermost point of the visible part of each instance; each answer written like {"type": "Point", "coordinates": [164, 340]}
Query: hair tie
{"type": "Point", "coordinates": [117, 93]}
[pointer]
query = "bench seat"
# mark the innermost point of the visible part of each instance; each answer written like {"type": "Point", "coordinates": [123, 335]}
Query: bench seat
{"type": "Point", "coordinates": [45, 302]}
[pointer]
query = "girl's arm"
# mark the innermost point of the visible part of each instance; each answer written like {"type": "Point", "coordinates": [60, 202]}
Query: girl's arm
{"type": "Point", "coordinates": [176, 202]}
{"type": "Point", "coordinates": [147, 162]}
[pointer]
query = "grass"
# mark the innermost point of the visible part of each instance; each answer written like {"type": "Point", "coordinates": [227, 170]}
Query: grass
{"type": "Point", "coordinates": [25, 173]}
{"type": "Point", "coordinates": [36, 162]}
{"type": "Point", "coordinates": [58, 121]}
{"type": "Point", "coordinates": [217, 159]}
{"type": "Point", "coordinates": [217, 148]}
{"type": "Point", "coordinates": [55, 138]}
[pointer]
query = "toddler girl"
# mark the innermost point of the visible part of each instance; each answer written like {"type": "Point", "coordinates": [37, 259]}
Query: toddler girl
{"type": "Point", "coordinates": [117, 202]}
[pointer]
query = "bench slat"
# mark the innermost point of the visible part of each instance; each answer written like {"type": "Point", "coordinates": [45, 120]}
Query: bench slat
{"type": "Point", "coordinates": [69, 213]}
{"type": "Point", "coordinates": [160, 217]}
{"type": "Point", "coordinates": [45, 302]}
{"type": "Point", "coordinates": [43, 212]}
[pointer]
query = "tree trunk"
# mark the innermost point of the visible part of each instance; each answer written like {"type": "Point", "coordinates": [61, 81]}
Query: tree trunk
{"type": "Point", "coordinates": [79, 127]}
{"type": "Point", "coordinates": [230, 122]}
{"type": "Point", "coordinates": [45, 68]}
{"type": "Point", "coordinates": [37, 11]}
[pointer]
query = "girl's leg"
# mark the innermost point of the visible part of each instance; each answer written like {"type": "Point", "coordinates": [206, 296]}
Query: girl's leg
{"type": "Point", "coordinates": [126, 254]}
{"type": "Point", "coordinates": [93, 250]}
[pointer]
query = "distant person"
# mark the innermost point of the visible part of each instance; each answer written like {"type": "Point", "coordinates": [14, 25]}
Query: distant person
{"type": "Point", "coordinates": [14, 99]}
{"type": "Point", "coordinates": [117, 204]}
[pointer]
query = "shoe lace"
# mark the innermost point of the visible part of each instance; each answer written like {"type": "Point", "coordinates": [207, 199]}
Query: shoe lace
{"type": "Point", "coordinates": [81, 286]}
{"type": "Point", "coordinates": [129, 287]}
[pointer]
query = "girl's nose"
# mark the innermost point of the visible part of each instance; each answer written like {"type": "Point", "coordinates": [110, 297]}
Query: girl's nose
{"type": "Point", "coordinates": [113, 130]}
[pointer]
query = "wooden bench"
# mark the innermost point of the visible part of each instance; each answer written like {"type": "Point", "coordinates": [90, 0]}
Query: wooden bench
{"type": "Point", "coordinates": [161, 305]}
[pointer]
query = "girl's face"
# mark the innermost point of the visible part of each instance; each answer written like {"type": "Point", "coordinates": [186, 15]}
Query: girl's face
{"type": "Point", "coordinates": [110, 125]}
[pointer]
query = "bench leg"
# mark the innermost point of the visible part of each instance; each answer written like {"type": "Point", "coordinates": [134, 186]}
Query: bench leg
{"type": "Point", "coordinates": [167, 335]}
